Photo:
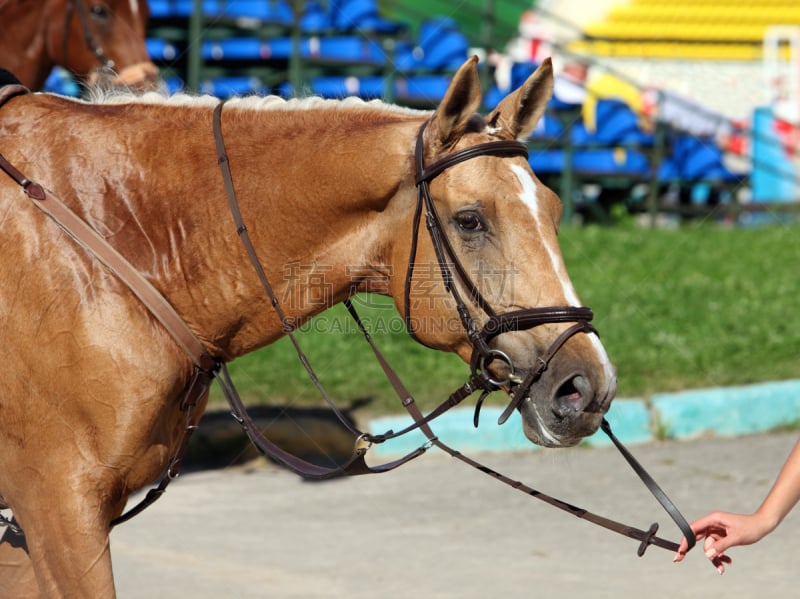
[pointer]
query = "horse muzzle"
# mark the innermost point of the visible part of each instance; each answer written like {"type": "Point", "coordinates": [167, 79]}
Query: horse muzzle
{"type": "Point", "coordinates": [563, 394]}
{"type": "Point", "coordinates": [139, 77]}
{"type": "Point", "coordinates": [561, 409]}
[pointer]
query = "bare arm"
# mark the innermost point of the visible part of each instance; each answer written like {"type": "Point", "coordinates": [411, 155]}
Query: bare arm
{"type": "Point", "coordinates": [723, 530]}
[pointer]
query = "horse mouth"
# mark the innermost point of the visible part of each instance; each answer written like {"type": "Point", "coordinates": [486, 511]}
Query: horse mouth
{"type": "Point", "coordinates": [562, 414]}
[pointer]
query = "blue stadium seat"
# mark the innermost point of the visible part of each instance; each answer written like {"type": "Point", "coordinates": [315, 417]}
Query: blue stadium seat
{"type": "Point", "coordinates": [225, 87]}
{"type": "Point", "coordinates": [700, 159]}
{"type": "Point", "coordinates": [59, 81]}
{"type": "Point", "coordinates": [548, 127]}
{"type": "Point", "coordinates": [340, 87]}
{"type": "Point", "coordinates": [422, 88]}
{"type": "Point", "coordinates": [354, 49]}
{"type": "Point", "coordinates": [611, 161]}
{"type": "Point", "coordinates": [361, 15]}
{"type": "Point", "coordinates": [271, 11]}
{"type": "Point", "coordinates": [520, 71]}
{"type": "Point", "coordinates": [546, 161]}
{"type": "Point", "coordinates": [232, 49]}
{"type": "Point", "coordinates": [174, 84]}
{"type": "Point", "coordinates": [617, 124]}
{"type": "Point", "coordinates": [158, 49]}
{"type": "Point", "coordinates": [668, 170]}
{"type": "Point", "coordinates": [248, 48]}
{"type": "Point", "coordinates": [601, 161]}
{"type": "Point", "coordinates": [315, 19]}
{"type": "Point", "coordinates": [440, 46]}
{"type": "Point", "coordinates": [165, 9]}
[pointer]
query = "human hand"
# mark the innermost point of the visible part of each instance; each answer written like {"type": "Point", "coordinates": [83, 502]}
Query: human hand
{"type": "Point", "coordinates": [721, 531]}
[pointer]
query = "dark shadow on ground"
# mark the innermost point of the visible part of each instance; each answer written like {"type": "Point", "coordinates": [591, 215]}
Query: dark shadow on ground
{"type": "Point", "coordinates": [313, 434]}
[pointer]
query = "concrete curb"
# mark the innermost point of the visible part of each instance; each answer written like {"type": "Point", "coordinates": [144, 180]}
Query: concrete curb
{"type": "Point", "coordinates": [685, 414]}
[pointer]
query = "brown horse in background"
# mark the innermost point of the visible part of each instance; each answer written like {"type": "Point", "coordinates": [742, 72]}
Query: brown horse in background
{"type": "Point", "coordinates": [82, 36]}
{"type": "Point", "coordinates": [92, 383]}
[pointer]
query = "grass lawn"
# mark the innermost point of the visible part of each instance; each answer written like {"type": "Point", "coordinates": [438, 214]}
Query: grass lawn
{"type": "Point", "coordinates": [694, 307]}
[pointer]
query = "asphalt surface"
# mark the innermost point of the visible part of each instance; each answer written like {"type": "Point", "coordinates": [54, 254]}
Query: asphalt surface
{"type": "Point", "coordinates": [437, 528]}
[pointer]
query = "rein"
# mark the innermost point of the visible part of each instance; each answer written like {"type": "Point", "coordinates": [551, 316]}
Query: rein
{"type": "Point", "coordinates": [512, 321]}
{"type": "Point", "coordinates": [207, 368]}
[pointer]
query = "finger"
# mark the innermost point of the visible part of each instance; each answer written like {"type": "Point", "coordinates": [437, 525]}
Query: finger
{"type": "Point", "coordinates": [719, 563]}
{"type": "Point", "coordinates": [683, 547]}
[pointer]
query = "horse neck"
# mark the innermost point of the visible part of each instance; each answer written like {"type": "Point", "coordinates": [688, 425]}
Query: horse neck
{"type": "Point", "coordinates": [314, 188]}
{"type": "Point", "coordinates": [23, 45]}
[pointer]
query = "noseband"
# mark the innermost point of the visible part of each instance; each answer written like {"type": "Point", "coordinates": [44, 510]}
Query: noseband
{"type": "Point", "coordinates": [83, 18]}
{"type": "Point", "coordinates": [517, 320]}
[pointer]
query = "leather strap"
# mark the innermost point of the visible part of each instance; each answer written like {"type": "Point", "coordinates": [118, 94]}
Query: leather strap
{"type": "Point", "coordinates": [645, 538]}
{"type": "Point", "coordinates": [356, 465]}
{"type": "Point", "coordinates": [10, 91]}
{"type": "Point", "coordinates": [205, 366]}
{"type": "Point", "coordinates": [198, 387]}
{"type": "Point", "coordinates": [521, 391]}
{"type": "Point", "coordinates": [652, 486]}
{"type": "Point", "coordinates": [97, 246]}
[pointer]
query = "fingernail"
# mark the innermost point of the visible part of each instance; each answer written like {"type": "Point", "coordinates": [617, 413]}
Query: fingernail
{"type": "Point", "coordinates": [711, 553]}
{"type": "Point", "coordinates": [721, 570]}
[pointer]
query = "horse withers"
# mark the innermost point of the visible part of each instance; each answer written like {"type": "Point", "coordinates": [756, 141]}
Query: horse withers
{"type": "Point", "coordinates": [96, 40]}
{"type": "Point", "coordinates": [90, 402]}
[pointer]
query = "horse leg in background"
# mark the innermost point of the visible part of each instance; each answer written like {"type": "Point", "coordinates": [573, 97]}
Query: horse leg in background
{"type": "Point", "coordinates": [16, 573]}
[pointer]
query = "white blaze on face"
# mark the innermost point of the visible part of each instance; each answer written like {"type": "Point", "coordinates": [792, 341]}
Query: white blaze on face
{"type": "Point", "coordinates": [529, 198]}
{"type": "Point", "coordinates": [134, 7]}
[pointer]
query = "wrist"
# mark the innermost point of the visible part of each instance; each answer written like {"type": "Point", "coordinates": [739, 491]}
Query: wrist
{"type": "Point", "coordinates": [767, 519]}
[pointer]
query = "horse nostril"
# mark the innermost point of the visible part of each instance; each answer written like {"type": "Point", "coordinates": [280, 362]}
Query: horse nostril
{"type": "Point", "coordinates": [572, 396]}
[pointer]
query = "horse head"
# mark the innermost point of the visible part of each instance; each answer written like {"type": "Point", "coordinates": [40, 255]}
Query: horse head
{"type": "Point", "coordinates": [102, 41]}
{"type": "Point", "coordinates": [489, 283]}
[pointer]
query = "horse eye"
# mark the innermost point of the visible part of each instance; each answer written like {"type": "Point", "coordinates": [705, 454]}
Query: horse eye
{"type": "Point", "coordinates": [470, 221]}
{"type": "Point", "coordinates": [101, 12]}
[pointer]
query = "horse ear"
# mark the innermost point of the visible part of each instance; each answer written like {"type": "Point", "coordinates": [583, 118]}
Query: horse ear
{"type": "Point", "coordinates": [518, 113]}
{"type": "Point", "coordinates": [460, 102]}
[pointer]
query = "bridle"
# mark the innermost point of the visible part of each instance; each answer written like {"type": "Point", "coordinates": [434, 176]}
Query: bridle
{"type": "Point", "coordinates": [208, 368]}
{"type": "Point", "coordinates": [83, 18]}
{"type": "Point", "coordinates": [516, 320]}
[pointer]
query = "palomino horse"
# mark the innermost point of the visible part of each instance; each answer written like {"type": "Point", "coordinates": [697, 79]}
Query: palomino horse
{"type": "Point", "coordinates": [83, 36]}
{"type": "Point", "coordinates": [90, 398]}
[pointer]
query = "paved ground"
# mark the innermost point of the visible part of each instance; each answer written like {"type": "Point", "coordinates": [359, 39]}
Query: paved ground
{"type": "Point", "coordinates": [436, 528]}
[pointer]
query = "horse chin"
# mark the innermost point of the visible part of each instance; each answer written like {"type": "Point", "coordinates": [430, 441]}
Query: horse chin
{"type": "Point", "coordinates": [542, 427]}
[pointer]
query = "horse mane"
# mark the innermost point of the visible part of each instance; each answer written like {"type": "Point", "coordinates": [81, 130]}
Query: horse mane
{"type": "Point", "coordinates": [254, 102]}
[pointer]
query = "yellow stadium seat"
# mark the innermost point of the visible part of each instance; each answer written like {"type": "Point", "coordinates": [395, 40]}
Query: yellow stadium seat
{"type": "Point", "coordinates": [689, 29]}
